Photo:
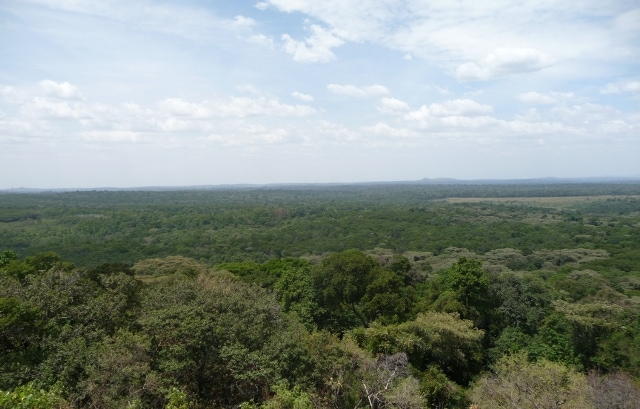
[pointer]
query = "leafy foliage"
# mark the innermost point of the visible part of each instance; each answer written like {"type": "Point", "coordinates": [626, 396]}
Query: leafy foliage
{"type": "Point", "coordinates": [378, 296]}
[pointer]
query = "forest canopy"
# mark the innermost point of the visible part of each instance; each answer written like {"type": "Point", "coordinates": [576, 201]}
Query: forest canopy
{"type": "Point", "coordinates": [348, 296]}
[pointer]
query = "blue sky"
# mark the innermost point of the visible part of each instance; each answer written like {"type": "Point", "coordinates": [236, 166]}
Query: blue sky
{"type": "Point", "coordinates": [138, 93]}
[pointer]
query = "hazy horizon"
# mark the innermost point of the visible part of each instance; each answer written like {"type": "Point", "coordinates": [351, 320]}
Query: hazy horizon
{"type": "Point", "coordinates": [424, 181]}
{"type": "Point", "coordinates": [167, 93]}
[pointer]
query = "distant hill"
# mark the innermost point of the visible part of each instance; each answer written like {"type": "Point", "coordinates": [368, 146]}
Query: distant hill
{"type": "Point", "coordinates": [424, 181]}
{"type": "Point", "coordinates": [535, 181]}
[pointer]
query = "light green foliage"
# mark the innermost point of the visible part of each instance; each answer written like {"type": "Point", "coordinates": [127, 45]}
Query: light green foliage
{"type": "Point", "coordinates": [177, 399]}
{"type": "Point", "coordinates": [440, 391]}
{"type": "Point", "coordinates": [517, 383]}
{"type": "Point", "coordinates": [32, 396]}
{"type": "Point", "coordinates": [288, 398]}
{"type": "Point", "coordinates": [169, 265]}
{"type": "Point", "coordinates": [554, 341]}
{"type": "Point", "coordinates": [406, 394]}
{"type": "Point", "coordinates": [294, 290]}
{"type": "Point", "coordinates": [601, 333]}
{"type": "Point", "coordinates": [433, 338]}
{"type": "Point", "coordinates": [7, 256]}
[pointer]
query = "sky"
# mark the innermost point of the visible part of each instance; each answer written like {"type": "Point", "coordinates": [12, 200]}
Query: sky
{"type": "Point", "coordinates": [116, 93]}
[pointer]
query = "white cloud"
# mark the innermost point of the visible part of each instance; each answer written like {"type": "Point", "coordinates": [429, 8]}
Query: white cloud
{"type": "Point", "coordinates": [442, 90]}
{"type": "Point", "coordinates": [536, 98]}
{"type": "Point", "coordinates": [111, 136]}
{"type": "Point", "coordinates": [383, 129]}
{"type": "Point", "coordinates": [358, 92]}
{"type": "Point", "coordinates": [502, 62]}
{"type": "Point", "coordinates": [392, 106]}
{"type": "Point", "coordinates": [454, 33]}
{"type": "Point", "coordinates": [460, 115]}
{"type": "Point", "coordinates": [233, 107]}
{"type": "Point", "coordinates": [337, 133]}
{"type": "Point", "coordinates": [62, 90]}
{"type": "Point", "coordinates": [620, 87]}
{"type": "Point", "coordinates": [262, 5]}
{"type": "Point", "coordinates": [316, 48]}
{"type": "Point", "coordinates": [13, 95]}
{"type": "Point", "coordinates": [181, 20]}
{"type": "Point", "coordinates": [301, 96]}
{"type": "Point", "coordinates": [249, 89]}
{"type": "Point", "coordinates": [458, 107]}
{"type": "Point", "coordinates": [66, 119]}
{"type": "Point", "coordinates": [261, 39]}
{"type": "Point", "coordinates": [40, 107]}
{"type": "Point", "coordinates": [243, 22]}
{"type": "Point", "coordinates": [242, 134]}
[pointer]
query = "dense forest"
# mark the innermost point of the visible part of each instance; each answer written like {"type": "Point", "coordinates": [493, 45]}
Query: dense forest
{"type": "Point", "coordinates": [379, 296]}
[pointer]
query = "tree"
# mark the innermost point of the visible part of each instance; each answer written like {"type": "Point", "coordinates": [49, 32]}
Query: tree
{"type": "Point", "coordinates": [354, 290]}
{"type": "Point", "coordinates": [432, 339]}
{"type": "Point", "coordinates": [613, 391]}
{"type": "Point", "coordinates": [7, 256]}
{"type": "Point", "coordinates": [522, 302]}
{"type": "Point", "coordinates": [294, 291]}
{"type": "Point", "coordinates": [517, 383]}
{"type": "Point", "coordinates": [20, 332]}
{"type": "Point", "coordinates": [220, 341]}
{"type": "Point", "coordinates": [465, 289]}
{"type": "Point", "coordinates": [341, 281]}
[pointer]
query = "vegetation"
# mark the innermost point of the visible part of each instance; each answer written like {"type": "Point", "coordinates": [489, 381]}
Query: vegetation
{"type": "Point", "coordinates": [394, 296]}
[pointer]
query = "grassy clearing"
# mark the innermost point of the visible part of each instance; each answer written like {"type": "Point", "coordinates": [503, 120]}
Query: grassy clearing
{"type": "Point", "coordinates": [556, 201]}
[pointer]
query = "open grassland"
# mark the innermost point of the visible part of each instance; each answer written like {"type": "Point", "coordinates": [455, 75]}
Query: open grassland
{"type": "Point", "coordinates": [553, 201]}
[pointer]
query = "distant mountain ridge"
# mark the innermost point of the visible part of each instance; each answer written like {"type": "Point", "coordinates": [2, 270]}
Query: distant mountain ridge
{"type": "Point", "coordinates": [424, 181]}
{"type": "Point", "coordinates": [533, 181]}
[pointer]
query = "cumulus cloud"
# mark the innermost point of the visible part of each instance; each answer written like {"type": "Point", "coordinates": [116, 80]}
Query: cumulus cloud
{"type": "Point", "coordinates": [301, 96]}
{"type": "Point", "coordinates": [358, 92]}
{"type": "Point", "coordinates": [503, 62]}
{"type": "Point", "coordinates": [238, 134]}
{"type": "Point", "coordinates": [62, 119]}
{"type": "Point", "coordinates": [334, 132]}
{"type": "Point", "coordinates": [392, 106]}
{"type": "Point", "coordinates": [621, 87]}
{"type": "Point", "coordinates": [243, 22]}
{"type": "Point", "coordinates": [261, 39]}
{"type": "Point", "coordinates": [13, 95]}
{"type": "Point", "coordinates": [459, 114]}
{"type": "Point", "coordinates": [536, 98]}
{"type": "Point", "coordinates": [316, 48]}
{"type": "Point", "coordinates": [40, 107]}
{"type": "Point", "coordinates": [249, 89]}
{"type": "Point", "coordinates": [459, 35]}
{"type": "Point", "coordinates": [383, 129]}
{"type": "Point", "coordinates": [238, 107]}
{"type": "Point", "coordinates": [62, 90]}
{"type": "Point", "coordinates": [457, 107]}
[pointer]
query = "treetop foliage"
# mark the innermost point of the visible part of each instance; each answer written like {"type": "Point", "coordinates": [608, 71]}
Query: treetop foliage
{"type": "Point", "coordinates": [349, 297]}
